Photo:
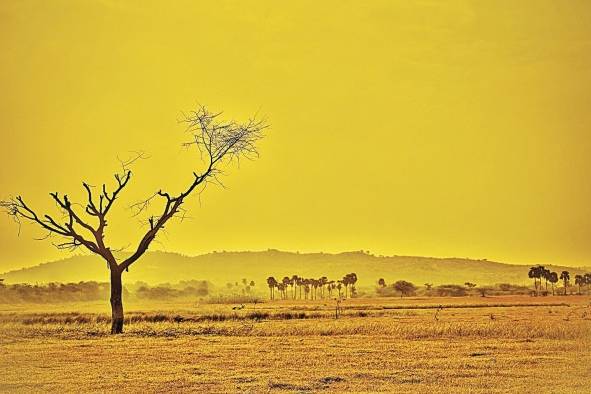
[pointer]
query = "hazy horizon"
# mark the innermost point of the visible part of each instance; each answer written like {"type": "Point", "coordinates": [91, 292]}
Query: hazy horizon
{"type": "Point", "coordinates": [81, 253]}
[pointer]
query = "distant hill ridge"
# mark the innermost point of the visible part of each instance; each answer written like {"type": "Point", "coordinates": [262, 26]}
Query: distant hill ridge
{"type": "Point", "coordinates": [223, 267]}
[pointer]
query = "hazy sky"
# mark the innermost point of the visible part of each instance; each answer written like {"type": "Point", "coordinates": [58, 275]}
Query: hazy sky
{"type": "Point", "coordinates": [426, 128]}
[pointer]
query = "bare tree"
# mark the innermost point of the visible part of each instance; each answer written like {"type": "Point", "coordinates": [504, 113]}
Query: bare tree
{"type": "Point", "coordinates": [218, 142]}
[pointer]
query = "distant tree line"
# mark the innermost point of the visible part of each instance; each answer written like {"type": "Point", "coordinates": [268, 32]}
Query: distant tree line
{"type": "Point", "coordinates": [245, 287]}
{"type": "Point", "coordinates": [542, 277]}
{"type": "Point", "coordinates": [296, 287]}
{"type": "Point", "coordinates": [404, 288]}
{"type": "Point", "coordinates": [539, 273]}
{"type": "Point", "coordinates": [188, 290]}
{"type": "Point", "coordinates": [93, 291]}
{"type": "Point", "coordinates": [54, 292]}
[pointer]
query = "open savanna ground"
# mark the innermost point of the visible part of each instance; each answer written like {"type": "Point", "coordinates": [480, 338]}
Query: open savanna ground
{"type": "Point", "coordinates": [468, 344]}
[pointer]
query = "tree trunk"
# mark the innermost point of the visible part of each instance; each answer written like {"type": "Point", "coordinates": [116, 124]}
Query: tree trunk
{"type": "Point", "coordinates": [116, 302]}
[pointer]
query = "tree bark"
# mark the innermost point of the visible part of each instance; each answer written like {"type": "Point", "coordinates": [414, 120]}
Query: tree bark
{"type": "Point", "coordinates": [116, 302]}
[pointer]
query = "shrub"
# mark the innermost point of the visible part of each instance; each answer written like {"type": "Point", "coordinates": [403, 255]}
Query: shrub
{"type": "Point", "coordinates": [233, 299]}
{"type": "Point", "coordinates": [404, 288]}
{"type": "Point", "coordinates": [450, 291]}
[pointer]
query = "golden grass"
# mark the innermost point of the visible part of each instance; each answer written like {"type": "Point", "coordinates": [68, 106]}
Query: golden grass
{"type": "Point", "coordinates": [516, 344]}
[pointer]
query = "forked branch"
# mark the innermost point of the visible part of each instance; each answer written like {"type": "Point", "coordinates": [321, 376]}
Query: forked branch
{"type": "Point", "coordinates": [218, 142]}
{"type": "Point", "coordinates": [75, 230]}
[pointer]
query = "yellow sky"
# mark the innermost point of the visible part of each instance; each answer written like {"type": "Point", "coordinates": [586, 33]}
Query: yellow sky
{"type": "Point", "coordinates": [426, 128]}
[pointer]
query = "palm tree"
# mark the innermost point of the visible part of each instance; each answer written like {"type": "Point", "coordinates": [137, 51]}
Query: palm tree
{"type": "Point", "coordinates": [315, 284]}
{"type": "Point", "coordinates": [349, 280]}
{"type": "Point", "coordinates": [281, 288]}
{"type": "Point", "coordinates": [294, 282]}
{"type": "Point", "coordinates": [330, 286]}
{"type": "Point", "coordinates": [579, 280]}
{"type": "Point", "coordinates": [305, 282]}
{"type": "Point", "coordinates": [546, 275]}
{"type": "Point", "coordinates": [565, 276]}
{"type": "Point", "coordinates": [322, 281]}
{"type": "Point", "coordinates": [540, 270]}
{"type": "Point", "coordinates": [537, 272]}
{"type": "Point", "coordinates": [353, 278]}
{"type": "Point", "coordinates": [553, 278]}
{"type": "Point", "coordinates": [381, 282]}
{"type": "Point", "coordinates": [272, 282]}
{"type": "Point", "coordinates": [345, 282]}
{"type": "Point", "coordinates": [286, 281]}
{"type": "Point", "coordinates": [587, 278]}
{"type": "Point", "coordinates": [533, 271]}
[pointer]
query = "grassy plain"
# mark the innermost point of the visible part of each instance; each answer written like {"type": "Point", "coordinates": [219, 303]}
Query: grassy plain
{"type": "Point", "coordinates": [471, 344]}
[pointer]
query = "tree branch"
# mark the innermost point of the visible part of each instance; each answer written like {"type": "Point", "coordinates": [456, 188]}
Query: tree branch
{"type": "Point", "coordinates": [222, 142]}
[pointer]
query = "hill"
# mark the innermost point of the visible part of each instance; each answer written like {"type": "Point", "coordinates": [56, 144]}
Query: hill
{"type": "Point", "coordinates": [223, 267]}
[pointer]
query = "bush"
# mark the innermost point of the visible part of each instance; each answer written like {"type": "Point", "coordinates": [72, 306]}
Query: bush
{"type": "Point", "coordinates": [510, 289]}
{"type": "Point", "coordinates": [450, 291]}
{"type": "Point", "coordinates": [233, 299]}
{"type": "Point", "coordinates": [404, 288]}
{"type": "Point", "coordinates": [386, 291]}
{"type": "Point", "coordinates": [399, 288]}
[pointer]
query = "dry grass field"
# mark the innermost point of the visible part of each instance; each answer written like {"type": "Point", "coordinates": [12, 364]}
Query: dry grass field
{"type": "Point", "coordinates": [470, 344]}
